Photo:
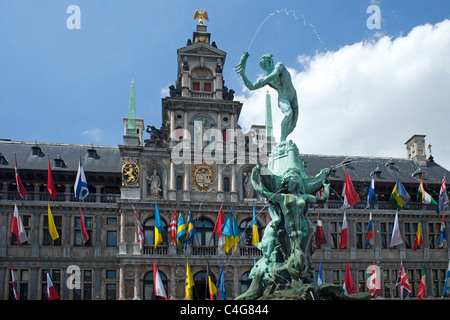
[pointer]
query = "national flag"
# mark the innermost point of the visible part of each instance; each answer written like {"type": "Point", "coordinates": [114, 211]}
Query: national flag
{"type": "Point", "coordinates": [320, 275]}
{"type": "Point", "coordinates": [236, 232]}
{"type": "Point", "coordinates": [343, 239]}
{"type": "Point", "coordinates": [50, 184]}
{"type": "Point", "coordinates": [190, 228]}
{"type": "Point", "coordinates": [443, 233]}
{"type": "Point", "coordinates": [369, 235]}
{"type": "Point", "coordinates": [17, 227]}
{"type": "Point", "coordinates": [255, 233]}
{"type": "Point", "coordinates": [319, 235]}
{"type": "Point", "coordinates": [140, 229]}
{"type": "Point", "coordinates": [20, 188]}
{"type": "Point", "coordinates": [159, 228]}
{"type": "Point", "coordinates": [219, 223]}
{"type": "Point", "coordinates": [189, 282]}
{"type": "Point", "coordinates": [446, 288]}
{"type": "Point", "coordinates": [318, 195]}
{"type": "Point", "coordinates": [181, 231]}
{"type": "Point", "coordinates": [443, 198]}
{"type": "Point", "coordinates": [348, 286]}
{"type": "Point", "coordinates": [173, 227]}
{"type": "Point", "coordinates": [211, 287]}
{"type": "Point", "coordinates": [403, 283]}
{"type": "Point", "coordinates": [158, 285]}
{"type": "Point", "coordinates": [421, 293]}
{"type": "Point", "coordinates": [84, 233]}
{"type": "Point", "coordinates": [349, 193]}
{"type": "Point", "coordinates": [14, 288]}
{"type": "Point", "coordinates": [51, 225]}
{"type": "Point", "coordinates": [399, 196]}
{"type": "Point", "coordinates": [81, 187]}
{"type": "Point", "coordinates": [422, 195]}
{"type": "Point", "coordinates": [396, 238]}
{"type": "Point", "coordinates": [227, 231]}
{"type": "Point", "coordinates": [374, 284]}
{"type": "Point", "coordinates": [220, 285]}
{"type": "Point", "coordinates": [371, 197]}
{"type": "Point", "coordinates": [51, 291]}
{"type": "Point", "coordinates": [419, 239]}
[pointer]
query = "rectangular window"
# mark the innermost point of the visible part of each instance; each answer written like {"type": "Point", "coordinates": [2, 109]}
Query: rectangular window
{"type": "Point", "coordinates": [26, 225]}
{"type": "Point", "coordinates": [78, 234]}
{"type": "Point", "coordinates": [409, 234]}
{"type": "Point", "coordinates": [335, 231]}
{"type": "Point", "coordinates": [111, 240]}
{"type": "Point", "coordinates": [196, 86]}
{"type": "Point", "coordinates": [360, 234]}
{"type": "Point", "coordinates": [386, 234]}
{"type": "Point", "coordinates": [55, 275]}
{"type": "Point", "coordinates": [21, 278]}
{"type": "Point", "coordinates": [207, 87]}
{"type": "Point", "coordinates": [85, 290]}
{"type": "Point", "coordinates": [47, 238]}
{"type": "Point", "coordinates": [390, 289]}
{"type": "Point", "coordinates": [434, 230]}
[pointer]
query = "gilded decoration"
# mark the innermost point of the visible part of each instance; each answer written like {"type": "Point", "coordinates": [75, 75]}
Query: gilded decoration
{"type": "Point", "coordinates": [130, 171]}
{"type": "Point", "coordinates": [203, 177]}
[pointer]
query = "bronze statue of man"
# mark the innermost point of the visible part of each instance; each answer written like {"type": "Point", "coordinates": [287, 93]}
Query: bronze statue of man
{"type": "Point", "coordinates": [279, 78]}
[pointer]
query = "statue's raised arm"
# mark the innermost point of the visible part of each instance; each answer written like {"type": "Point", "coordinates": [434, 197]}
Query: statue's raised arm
{"type": "Point", "coordinates": [278, 78]}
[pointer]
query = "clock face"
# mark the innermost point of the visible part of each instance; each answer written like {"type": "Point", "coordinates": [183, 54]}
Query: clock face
{"type": "Point", "coordinates": [130, 171]}
{"type": "Point", "coordinates": [203, 177]}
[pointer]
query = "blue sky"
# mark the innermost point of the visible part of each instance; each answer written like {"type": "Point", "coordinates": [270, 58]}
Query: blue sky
{"type": "Point", "coordinates": [72, 86]}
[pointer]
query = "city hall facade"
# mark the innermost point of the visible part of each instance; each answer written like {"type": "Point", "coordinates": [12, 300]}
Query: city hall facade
{"type": "Point", "coordinates": [198, 161]}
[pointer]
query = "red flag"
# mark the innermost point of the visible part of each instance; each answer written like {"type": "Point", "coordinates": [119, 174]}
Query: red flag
{"type": "Point", "coordinates": [343, 240]}
{"type": "Point", "coordinates": [349, 288]}
{"type": "Point", "coordinates": [84, 233]}
{"type": "Point", "coordinates": [173, 227]}
{"type": "Point", "coordinates": [374, 284]}
{"type": "Point", "coordinates": [219, 223]}
{"type": "Point", "coordinates": [50, 184]}
{"type": "Point", "coordinates": [349, 193]}
{"type": "Point", "coordinates": [17, 227]}
{"type": "Point", "coordinates": [319, 235]}
{"type": "Point", "coordinates": [20, 188]}
{"type": "Point", "coordinates": [52, 294]}
{"type": "Point", "coordinates": [421, 293]}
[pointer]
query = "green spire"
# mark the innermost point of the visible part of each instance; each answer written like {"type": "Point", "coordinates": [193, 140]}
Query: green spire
{"type": "Point", "coordinates": [269, 127]}
{"type": "Point", "coordinates": [131, 129]}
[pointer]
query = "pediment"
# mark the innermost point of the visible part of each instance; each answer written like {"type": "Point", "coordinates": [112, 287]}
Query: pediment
{"type": "Point", "coordinates": [201, 49]}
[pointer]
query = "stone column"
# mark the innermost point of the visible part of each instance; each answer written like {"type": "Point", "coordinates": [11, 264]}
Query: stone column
{"type": "Point", "coordinates": [122, 282]}
{"type": "Point", "coordinates": [172, 281]}
{"type": "Point", "coordinates": [137, 277]}
{"type": "Point", "coordinates": [236, 282]}
{"type": "Point", "coordinates": [122, 241]}
{"type": "Point", "coordinates": [186, 190]}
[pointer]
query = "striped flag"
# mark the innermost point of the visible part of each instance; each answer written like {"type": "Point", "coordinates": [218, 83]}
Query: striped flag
{"type": "Point", "coordinates": [320, 275]}
{"type": "Point", "coordinates": [190, 228]}
{"type": "Point", "coordinates": [399, 196]}
{"type": "Point", "coordinates": [14, 288]}
{"type": "Point", "coordinates": [419, 238]}
{"type": "Point", "coordinates": [52, 294]}
{"type": "Point", "coordinates": [371, 198]}
{"type": "Point", "coordinates": [158, 285]}
{"type": "Point", "coordinates": [20, 188]}
{"type": "Point", "coordinates": [255, 234]}
{"type": "Point", "coordinates": [159, 228]}
{"type": "Point", "coordinates": [422, 195]}
{"type": "Point", "coordinates": [173, 227]}
{"type": "Point", "coordinates": [343, 239]}
{"type": "Point", "coordinates": [369, 235]}
{"type": "Point", "coordinates": [84, 233]}
{"type": "Point", "coordinates": [319, 235]}
{"type": "Point", "coordinates": [181, 231]}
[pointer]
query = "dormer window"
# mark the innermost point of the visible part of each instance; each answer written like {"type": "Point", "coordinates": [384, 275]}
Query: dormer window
{"type": "Point", "coordinates": [3, 160]}
{"type": "Point", "coordinates": [92, 153]}
{"type": "Point", "coordinates": [59, 162]}
{"type": "Point", "coordinates": [36, 151]}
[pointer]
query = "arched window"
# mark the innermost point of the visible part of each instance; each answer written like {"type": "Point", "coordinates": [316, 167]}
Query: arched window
{"type": "Point", "coordinates": [204, 235]}
{"type": "Point", "coordinates": [149, 291]}
{"type": "Point", "coordinates": [149, 232]}
{"type": "Point", "coordinates": [201, 289]}
{"type": "Point", "coordinates": [246, 227]}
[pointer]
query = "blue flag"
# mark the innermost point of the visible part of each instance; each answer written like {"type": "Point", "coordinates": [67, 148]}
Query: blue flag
{"type": "Point", "coordinates": [446, 284]}
{"type": "Point", "coordinates": [190, 228]}
{"type": "Point", "coordinates": [159, 228]}
{"type": "Point", "coordinates": [81, 187]}
{"type": "Point", "coordinates": [371, 198]}
{"type": "Point", "coordinates": [320, 275]}
{"type": "Point", "coordinates": [220, 285]}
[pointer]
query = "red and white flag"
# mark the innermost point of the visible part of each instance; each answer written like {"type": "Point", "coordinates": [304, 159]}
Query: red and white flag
{"type": "Point", "coordinates": [373, 283]}
{"type": "Point", "coordinates": [173, 227]}
{"type": "Point", "coordinates": [16, 296]}
{"type": "Point", "coordinates": [348, 286]}
{"type": "Point", "coordinates": [403, 283]}
{"type": "Point", "coordinates": [140, 229]}
{"type": "Point", "coordinates": [52, 294]}
{"type": "Point", "coordinates": [319, 235]}
{"type": "Point", "coordinates": [17, 227]}
{"type": "Point", "coordinates": [158, 285]}
{"type": "Point", "coordinates": [343, 240]}
{"type": "Point", "coordinates": [20, 188]}
{"type": "Point", "coordinates": [349, 193]}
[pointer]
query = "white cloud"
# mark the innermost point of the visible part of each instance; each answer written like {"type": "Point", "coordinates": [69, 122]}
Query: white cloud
{"type": "Point", "coordinates": [94, 134]}
{"type": "Point", "coordinates": [368, 98]}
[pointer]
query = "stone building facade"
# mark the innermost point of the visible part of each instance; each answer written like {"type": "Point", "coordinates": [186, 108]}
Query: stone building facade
{"type": "Point", "coordinates": [198, 161]}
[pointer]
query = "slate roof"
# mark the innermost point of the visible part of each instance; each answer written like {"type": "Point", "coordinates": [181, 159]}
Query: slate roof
{"type": "Point", "coordinates": [107, 159]}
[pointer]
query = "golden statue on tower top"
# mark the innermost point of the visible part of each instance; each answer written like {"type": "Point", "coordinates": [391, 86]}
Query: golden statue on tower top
{"type": "Point", "coordinates": [200, 15]}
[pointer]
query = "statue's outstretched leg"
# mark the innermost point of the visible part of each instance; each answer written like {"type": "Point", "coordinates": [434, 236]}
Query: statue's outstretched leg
{"type": "Point", "coordinates": [255, 290]}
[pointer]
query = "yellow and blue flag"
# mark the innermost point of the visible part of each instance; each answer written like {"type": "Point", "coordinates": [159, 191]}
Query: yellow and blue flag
{"type": "Point", "coordinates": [399, 196]}
{"type": "Point", "coordinates": [181, 231]}
{"type": "Point", "coordinates": [189, 282]}
{"type": "Point", "coordinates": [255, 234]}
{"type": "Point", "coordinates": [159, 228]}
{"type": "Point", "coordinates": [190, 228]}
{"type": "Point", "coordinates": [236, 232]}
{"type": "Point", "coordinates": [227, 231]}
